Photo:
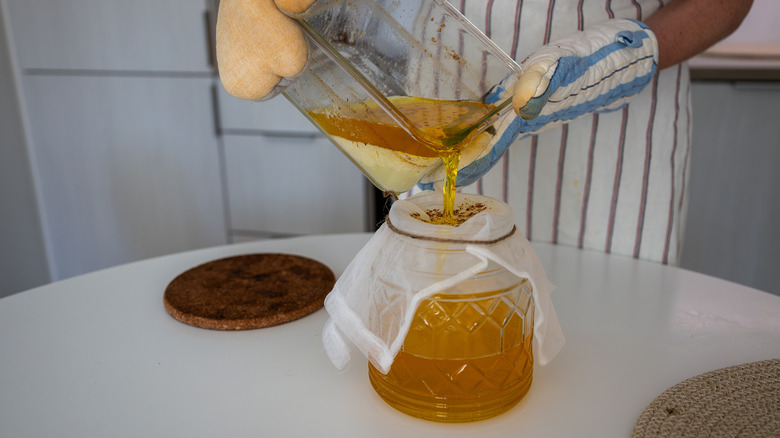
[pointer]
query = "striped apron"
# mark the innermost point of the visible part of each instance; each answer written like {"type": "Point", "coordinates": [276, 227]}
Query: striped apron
{"type": "Point", "coordinates": [612, 181]}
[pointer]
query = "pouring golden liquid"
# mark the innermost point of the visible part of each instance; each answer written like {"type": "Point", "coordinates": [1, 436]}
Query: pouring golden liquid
{"type": "Point", "coordinates": [437, 368]}
{"type": "Point", "coordinates": [447, 128]}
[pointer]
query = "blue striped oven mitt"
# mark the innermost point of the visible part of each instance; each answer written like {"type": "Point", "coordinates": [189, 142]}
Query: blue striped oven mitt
{"type": "Point", "coordinates": [598, 69]}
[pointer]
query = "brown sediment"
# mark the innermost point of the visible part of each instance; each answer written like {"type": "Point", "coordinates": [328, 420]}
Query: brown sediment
{"type": "Point", "coordinates": [460, 214]}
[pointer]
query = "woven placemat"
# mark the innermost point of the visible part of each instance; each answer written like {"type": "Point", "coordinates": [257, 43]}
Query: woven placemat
{"type": "Point", "coordinates": [738, 401]}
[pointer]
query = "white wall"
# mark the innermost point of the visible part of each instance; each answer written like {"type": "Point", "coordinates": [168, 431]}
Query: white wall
{"type": "Point", "coordinates": [760, 25]}
{"type": "Point", "coordinates": [22, 257]}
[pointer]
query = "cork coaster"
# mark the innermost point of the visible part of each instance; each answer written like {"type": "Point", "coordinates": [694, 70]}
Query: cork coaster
{"type": "Point", "coordinates": [248, 291]}
{"type": "Point", "coordinates": [738, 401]}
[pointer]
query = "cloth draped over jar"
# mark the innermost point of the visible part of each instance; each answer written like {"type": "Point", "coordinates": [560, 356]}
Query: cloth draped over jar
{"type": "Point", "coordinates": [394, 254]}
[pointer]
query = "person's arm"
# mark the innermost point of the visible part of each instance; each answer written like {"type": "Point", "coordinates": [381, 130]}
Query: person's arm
{"type": "Point", "coordinates": [685, 28]}
{"type": "Point", "coordinates": [605, 65]}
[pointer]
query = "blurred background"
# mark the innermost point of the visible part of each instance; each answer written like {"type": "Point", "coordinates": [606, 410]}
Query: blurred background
{"type": "Point", "coordinates": [117, 143]}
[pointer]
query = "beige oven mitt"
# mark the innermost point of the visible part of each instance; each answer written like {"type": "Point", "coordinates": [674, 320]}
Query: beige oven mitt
{"type": "Point", "coordinates": [258, 45]}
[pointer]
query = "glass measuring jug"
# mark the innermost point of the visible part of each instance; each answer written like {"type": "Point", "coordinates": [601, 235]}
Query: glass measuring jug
{"type": "Point", "coordinates": [402, 88]}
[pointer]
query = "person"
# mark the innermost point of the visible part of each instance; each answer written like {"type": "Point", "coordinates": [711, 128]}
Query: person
{"type": "Point", "coordinates": [605, 175]}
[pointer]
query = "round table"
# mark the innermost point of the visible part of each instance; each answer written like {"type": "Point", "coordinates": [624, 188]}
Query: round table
{"type": "Point", "coordinates": [98, 356]}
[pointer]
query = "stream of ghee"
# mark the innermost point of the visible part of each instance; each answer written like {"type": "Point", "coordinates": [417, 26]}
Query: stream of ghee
{"type": "Point", "coordinates": [458, 362]}
{"type": "Point", "coordinates": [447, 127]}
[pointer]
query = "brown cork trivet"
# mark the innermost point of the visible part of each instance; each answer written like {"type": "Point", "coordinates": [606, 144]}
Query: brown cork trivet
{"type": "Point", "coordinates": [248, 291]}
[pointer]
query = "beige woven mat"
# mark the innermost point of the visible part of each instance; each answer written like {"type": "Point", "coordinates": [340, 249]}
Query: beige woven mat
{"type": "Point", "coordinates": [738, 401]}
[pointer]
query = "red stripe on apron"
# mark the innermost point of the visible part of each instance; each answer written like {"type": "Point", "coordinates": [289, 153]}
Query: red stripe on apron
{"type": "Point", "coordinates": [670, 222]}
{"type": "Point", "coordinates": [588, 177]}
{"type": "Point", "coordinates": [548, 26]}
{"type": "Point", "coordinates": [646, 176]}
{"type": "Point", "coordinates": [516, 36]}
{"type": "Point", "coordinates": [685, 164]}
{"type": "Point", "coordinates": [616, 183]}
{"type": "Point", "coordinates": [531, 174]}
{"type": "Point", "coordinates": [559, 182]}
{"type": "Point", "coordinates": [638, 9]}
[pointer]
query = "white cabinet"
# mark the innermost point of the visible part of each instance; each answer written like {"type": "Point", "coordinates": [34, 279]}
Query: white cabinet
{"type": "Point", "coordinates": [734, 206]}
{"type": "Point", "coordinates": [119, 104]}
{"type": "Point", "coordinates": [128, 167]}
{"type": "Point", "coordinates": [23, 261]}
{"type": "Point", "coordinates": [283, 176]}
{"type": "Point", "coordinates": [275, 116]}
{"type": "Point", "coordinates": [138, 151]}
{"type": "Point", "coordinates": [286, 185]}
{"type": "Point", "coordinates": [136, 35]}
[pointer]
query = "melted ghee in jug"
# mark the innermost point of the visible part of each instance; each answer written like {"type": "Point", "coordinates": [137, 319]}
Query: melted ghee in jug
{"type": "Point", "coordinates": [446, 128]}
{"type": "Point", "coordinates": [462, 360]}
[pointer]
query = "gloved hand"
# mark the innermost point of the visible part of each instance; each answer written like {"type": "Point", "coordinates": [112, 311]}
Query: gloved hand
{"type": "Point", "coordinates": [258, 46]}
{"type": "Point", "coordinates": [598, 69]}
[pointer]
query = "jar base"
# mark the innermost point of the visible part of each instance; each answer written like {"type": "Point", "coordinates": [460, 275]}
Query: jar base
{"type": "Point", "coordinates": [447, 409]}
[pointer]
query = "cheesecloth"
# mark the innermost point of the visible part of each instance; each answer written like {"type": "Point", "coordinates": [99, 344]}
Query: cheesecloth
{"type": "Point", "coordinates": [394, 256]}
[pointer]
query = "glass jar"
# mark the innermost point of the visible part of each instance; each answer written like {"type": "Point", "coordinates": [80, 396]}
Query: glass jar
{"type": "Point", "coordinates": [445, 314]}
{"type": "Point", "coordinates": [467, 354]}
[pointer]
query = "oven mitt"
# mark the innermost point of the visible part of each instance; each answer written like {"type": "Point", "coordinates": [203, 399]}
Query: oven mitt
{"type": "Point", "coordinates": [258, 47]}
{"type": "Point", "coordinates": [598, 69]}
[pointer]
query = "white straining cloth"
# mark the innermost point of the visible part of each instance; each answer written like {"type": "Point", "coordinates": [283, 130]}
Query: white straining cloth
{"type": "Point", "coordinates": [393, 258]}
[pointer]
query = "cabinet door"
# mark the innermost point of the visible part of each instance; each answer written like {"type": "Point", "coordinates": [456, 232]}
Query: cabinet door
{"type": "Point", "coordinates": [128, 167]}
{"type": "Point", "coordinates": [287, 185]}
{"type": "Point", "coordinates": [23, 261]}
{"type": "Point", "coordinates": [274, 116]}
{"type": "Point", "coordinates": [137, 35]}
{"type": "Point", "coordinates": [734, 206]}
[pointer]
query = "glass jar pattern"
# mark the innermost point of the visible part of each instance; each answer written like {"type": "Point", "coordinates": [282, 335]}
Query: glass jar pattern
{"type": "Point", "coordinates": [467, 355]}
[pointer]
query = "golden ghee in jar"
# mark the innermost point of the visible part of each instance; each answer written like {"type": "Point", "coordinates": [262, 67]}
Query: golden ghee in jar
{"type": "Point", "coordinates": [467, 354]}
{"type": "Point", "coordinates": [466, 357]}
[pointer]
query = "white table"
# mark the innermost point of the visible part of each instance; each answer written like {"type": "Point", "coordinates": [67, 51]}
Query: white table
{"type": "Point", "coordinates": [98, 356]}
